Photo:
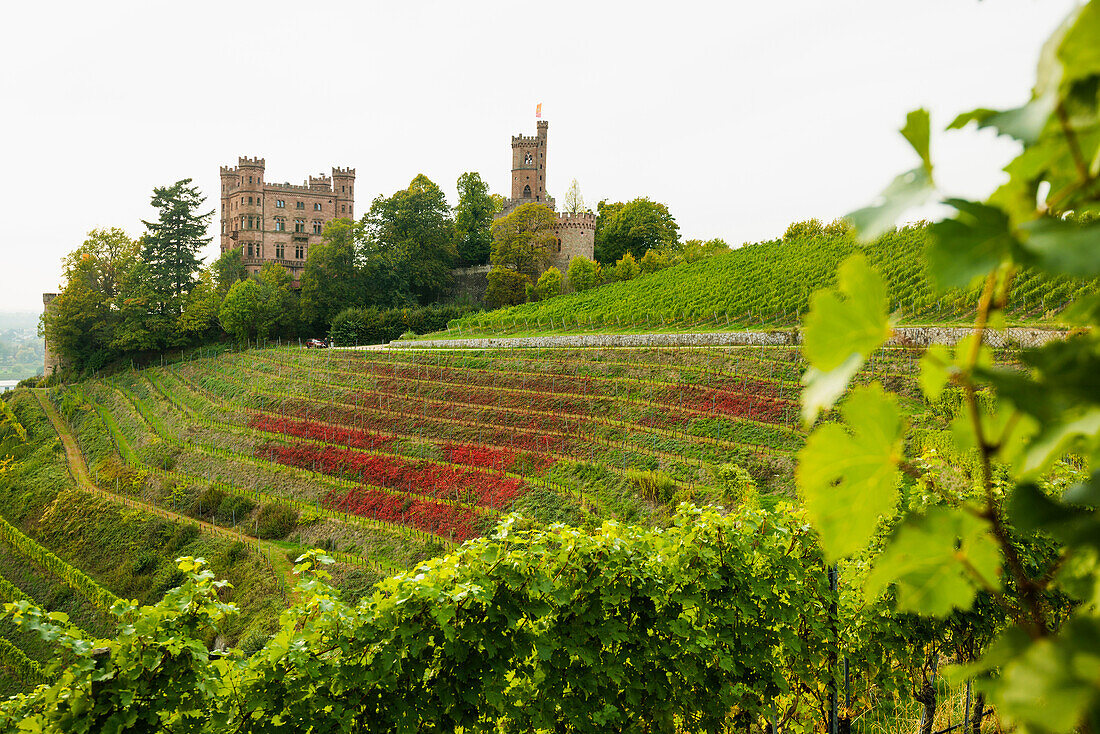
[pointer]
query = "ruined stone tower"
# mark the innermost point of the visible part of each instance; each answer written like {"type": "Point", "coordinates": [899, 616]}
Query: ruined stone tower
{"type": "Point", "coordinates": [575, 234]}
{"type": "Point", "coordinates": [273, 222]}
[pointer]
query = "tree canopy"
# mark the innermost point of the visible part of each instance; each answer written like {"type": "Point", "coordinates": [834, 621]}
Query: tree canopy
{"type": "Point", "coordinates": [633, 227]}
{"type": "Point", "coordinates": [473, 219]}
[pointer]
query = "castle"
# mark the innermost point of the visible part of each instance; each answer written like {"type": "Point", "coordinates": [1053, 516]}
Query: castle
{"type": "Point", "coordinates": [278, 223]}
{"type": "Point", "coordinates": [575, 234]}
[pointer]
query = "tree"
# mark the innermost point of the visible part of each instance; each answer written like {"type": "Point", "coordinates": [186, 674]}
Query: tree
{"type": "Point", "coordinates": [113, 253]}
{"type": "Point", "coordinates": [653, 261]}
{"type": "Point", "coordinates": [247, 311]}
{"type": "Point", "coordinates": [170, 249]}
{"type": "Point", "coordinates": [414, 226]}
{"type": "Point", "coordinates": [282, 302]}
{"type": "Point", "coordinates": [549, 284]}
{"type": "Point", "coordinates": [200, 312]}
{"type": "Point", "coordinates": [626, 268]}
{"type": "Point", "coordinates": [808, 228]}
{"type": "Point", "coordinates": [633, 227]}
{"type": "Point", "coordinates": [583, 273]}
{"type": "Point", "coordinates": [331, 280]}
{"type": "Point", "coordinates": [522, 241]}
{"type": "Point", "coordinates": [228, 269]}
{"type": "Point", "coordinates": [574, 202]}
{"type": "Point", "coordinates": [473, 219]}
{"type": "Point", "coordinates": [79, 323]}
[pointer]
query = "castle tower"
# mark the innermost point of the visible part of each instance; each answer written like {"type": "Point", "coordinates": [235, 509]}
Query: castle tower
{"type": "Point", "coordinates": [574, 234]}
{"type": "Point", "coordinates": [529, 166]}
{"type": "Point", "coordinates": [53, 359]}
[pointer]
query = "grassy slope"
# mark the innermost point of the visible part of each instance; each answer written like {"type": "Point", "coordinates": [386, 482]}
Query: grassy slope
{"type": "Point", "coordinates": [763, 284]}
{"type": "Point", "coordinates": [128, 551]}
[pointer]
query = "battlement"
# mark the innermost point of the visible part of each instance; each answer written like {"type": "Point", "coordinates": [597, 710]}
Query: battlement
{"type": "Point", "coordinates": [580, 220]}
{"type": "Point", "coordinates": [247, 162]}
{"type": "Point", "coordinates": [524, 140]}
{"type": "Point", "coordinates": [343, 172]}
{"type": "Point", "coordinates": [288, 186]}
{"type": "Point", "coordinates": [228, 170]}
{"type": "Point", "coordinates": [320, 182]}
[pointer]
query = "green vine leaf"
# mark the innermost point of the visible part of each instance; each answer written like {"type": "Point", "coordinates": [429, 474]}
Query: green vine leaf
{"type": "Point", "coordinates": [840, 333]}
{"type": "Point", "coordinates": [937, 561]}
{"type": "Point", "coordinates": [910, 189]}
{"type": "Point", "coordinates": [848, 478]}
{"type": "Point", "coordinates": [967, 247]}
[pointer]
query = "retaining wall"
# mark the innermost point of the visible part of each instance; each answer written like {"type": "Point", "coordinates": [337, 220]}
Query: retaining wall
{"type": "Point", "coordinates": [914, 336]}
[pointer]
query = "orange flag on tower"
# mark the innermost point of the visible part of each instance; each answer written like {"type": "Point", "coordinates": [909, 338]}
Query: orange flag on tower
{"type": "Point", "coordinates": [538, 111]}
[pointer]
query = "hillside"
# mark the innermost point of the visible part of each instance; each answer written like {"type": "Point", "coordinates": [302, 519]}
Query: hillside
{"type": "Point", "coordinates": [766, 284]}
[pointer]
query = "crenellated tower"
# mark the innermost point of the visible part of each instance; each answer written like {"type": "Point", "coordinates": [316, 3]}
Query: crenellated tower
{"type": "Point", "coordinates": [574, 234]}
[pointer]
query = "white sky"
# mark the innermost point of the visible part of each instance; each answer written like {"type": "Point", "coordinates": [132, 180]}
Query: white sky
{"type": "Point", "coordinates": [742, 117]}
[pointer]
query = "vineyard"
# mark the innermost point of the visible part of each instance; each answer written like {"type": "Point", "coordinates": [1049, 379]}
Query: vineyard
{"type": "Point", "coordinates": [767, 284]}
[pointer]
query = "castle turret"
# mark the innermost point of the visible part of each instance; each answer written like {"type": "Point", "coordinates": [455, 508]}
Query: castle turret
{"type": "Point", "coordinates": [53, 359]}
{"type": "Point", "coordinates": [529, 166]}
{"type": "Point", "coordinates": [343, 185]}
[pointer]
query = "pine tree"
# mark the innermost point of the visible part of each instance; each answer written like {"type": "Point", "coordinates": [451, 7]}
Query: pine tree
{"type": "Point", "coordinates": [171, 247]}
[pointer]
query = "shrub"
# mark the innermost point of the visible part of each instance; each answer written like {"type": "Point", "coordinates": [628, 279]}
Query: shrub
{"type": "Point", "coordinates": [506, 287]}
{"type": "Point", "coordinates": [737, 484]}
{"type": "Point", "coordinates": [233, 509]}
{"type": "Point", "coordinates": [275, 522]}
{"type": "Point", "coordinates": [583, 273]}
{"type": "Point", "coordinates": [626, 268]}
{"type": "Point", "coordinates": [808, 228]}
{"type": "Point", "coordinates": [654, 486]}
{"type": "Point", "coordinates": [549, 284]}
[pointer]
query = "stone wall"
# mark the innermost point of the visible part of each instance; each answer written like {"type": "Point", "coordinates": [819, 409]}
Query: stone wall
{"type": "Point", "coordinates": [903, 336]}
{"type": "Point", "coordinates": [468, 285]}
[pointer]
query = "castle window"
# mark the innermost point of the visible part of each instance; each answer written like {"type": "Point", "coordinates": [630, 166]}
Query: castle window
{"type": "Point", "coordinates": [527, 192]}
{"type": "Point", "coordinates": [280, 224]}
{"type": "Point", "coordinates": [250, 249]}
{"type": "Point", "coordinates": [527, 158]}
{"type": "Point", "coordinates": [299, 252]}
{"type": "Point", "coordinates": [317, 227]}
{"type": "Point", "coordinates": [299, 225]}
{"type": "Point", "coordinates": [249, 179]}
{"type": "Point", "coordinates": [280, 251]}
{"type": "Point", "coordinates": [279, 203]}
{"type": "Point", "coordinates": [343, 189]}
{"type": "Point", "coordinates": [250, 200]}
{"type": "Point", "coordinates": [559, 245]}
{"type": "Point", "coordinates": [242, 201]}
{"type": "Point", "coordinates": [299, 205]}
{"type": "Point", "coordinates": [242, 221]}
{"type": "Point", "coordinates": [343, 208]}
{"type": "Point", "coordinates": [317, 206]}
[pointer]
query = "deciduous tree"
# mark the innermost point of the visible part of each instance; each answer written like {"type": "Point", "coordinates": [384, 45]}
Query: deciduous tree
{"type": "Point", "coordinates": [633, 227]}
{"type": "Point", "coordinates": [473, 219]}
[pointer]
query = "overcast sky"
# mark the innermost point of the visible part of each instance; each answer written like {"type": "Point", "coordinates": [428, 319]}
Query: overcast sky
{"type": "Point", "coordinates": [741, 117]}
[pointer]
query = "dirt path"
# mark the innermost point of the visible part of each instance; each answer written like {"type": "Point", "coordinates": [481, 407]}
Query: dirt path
{"type": "Point", "coordinates": [79, 470]}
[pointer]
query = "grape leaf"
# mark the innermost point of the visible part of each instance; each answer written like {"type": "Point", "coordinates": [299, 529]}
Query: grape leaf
{"type": "Point", "coordinates": [839, 334]}
{"type": "Point", "coordinates": [910, 189]}
{"type": "Point", "coordinates": [935, 371]}
{"type": "Point", "coordinates": [848, 479]}
{"type": "Point", "coordinates": [1024, 123]}
{"type": "Point", "coordinates": [1063, 246]}
{"type": "Point", "coordinates": [976, 241]}
{"type": "Point", "coordinates": [925, 558]}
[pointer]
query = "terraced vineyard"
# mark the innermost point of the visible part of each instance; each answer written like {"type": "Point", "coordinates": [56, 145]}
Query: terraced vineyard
{"type": "Point", "coordinates": [386, 458]}
{"type": "Point", "coordinates": [391, 456]}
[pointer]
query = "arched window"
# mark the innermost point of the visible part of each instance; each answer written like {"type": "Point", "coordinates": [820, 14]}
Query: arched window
{"type": "Point", "coordinates": [559, 245]}
{"type": "Point", "coordinates": [317, 227]}
{"type": "Point", "coordinates": [299, 225]}
{"type": "Point", "coordinates": [280, 224]}
{"type": "Point", "coordinates": [528, 159]}
{"type": "Point", "coordinates": [527, 192]}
